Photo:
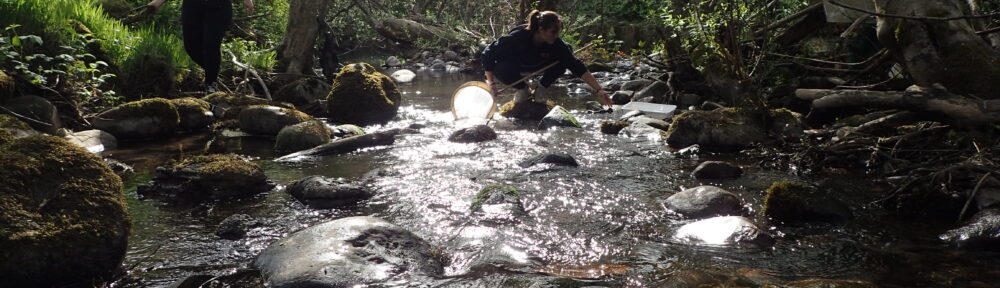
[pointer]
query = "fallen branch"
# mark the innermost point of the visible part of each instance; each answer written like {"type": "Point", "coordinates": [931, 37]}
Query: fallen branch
{"type": "Point", "coordinates": [252, 72]}
{"type": "Point", "coordinates": [928, 102]}
{"type": "Point", "coordinates": [346, 145]}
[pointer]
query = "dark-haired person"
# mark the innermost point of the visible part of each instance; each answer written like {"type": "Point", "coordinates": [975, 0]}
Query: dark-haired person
{"type": "Point", "coordinates": [530, 48]}
{"type": "Point", "coordinates": [204, 23]}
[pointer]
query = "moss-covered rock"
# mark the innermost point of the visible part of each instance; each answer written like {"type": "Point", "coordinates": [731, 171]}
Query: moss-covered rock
{"type": "Point", "coordinates": [194, 113]}
{"type": "Point", "coordinates": [208, 177]}
{"type": "Point", "coordinates": [558, 117]}
{"type": "Point", "coordinates": [361, 95]}
{"type": "Point", "coordinates": [346, 130]}
{"type": "Point", "coordinates": [8, 88]}
{"type": "Point", "coordinates": [229, 106]}
{"type": "Point", "coordinates": [139, 119]}
{"type": "Point", "coordinates": [10, 122]}
{"type": "Point", "coordinates": [302, 136]}
{"type": "Point", "coordinates": [5, 136]}
{"type": "Point", "coordinates": [63, 217]}
{"type": "Point", "coordinates": [791, 202]}
{"type": "Point", "coordinates": [613, 126]}
{"type": "Point", "coordinates": [303, 91]}
{"type": "Point", "coordinates": [526, 110]}
{"type": "Point", "coordinates": [269, 120]}
{"type": "Point", "coordinates": [730, 129]}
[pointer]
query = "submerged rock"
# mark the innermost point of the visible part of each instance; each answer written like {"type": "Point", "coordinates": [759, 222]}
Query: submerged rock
{"type": "Point", "coordinates": [348, 252]}
{"type": "Point", "coordinates": [716, 170]}
{"type": "Point", "coordinates": [302, 136]}
{"type": "Point", "coordinates": [269, 120]}
{"type": "Point", "coordinates": [208, 177]}
{"type": "Point", "coordinates": [528, 110]}
{"type": "Point", "coordinates": [324, 193]}
{"type": "Point", "coordinates": [361, 95]}
{"type": "Point", "coordinates": [791, 202]}
{"type": "Point", "coordinates": [723, 231]}
{"type": "Point", "coordinates": [140, 119]}
{"type": "Point", "coordinates": [478, 133]}
{"type": "Point", "coordinates": [235, 226]}
{"type": "Point", "coordinates": [983, 229]}
{"type": "Point", "coordinates": [550, 158]}
{"type": "Point", "coordinates": [558, 117]}
{"type": "Point", "coordinates": [63, 217]}
{"type": "Point", "coordinates": [498, 203]}
{"type": "Point", "coordinates": [704, 201]}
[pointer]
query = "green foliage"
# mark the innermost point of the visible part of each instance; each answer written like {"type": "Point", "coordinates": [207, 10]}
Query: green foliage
{"type": "Point", "coordinates": [250, 53]}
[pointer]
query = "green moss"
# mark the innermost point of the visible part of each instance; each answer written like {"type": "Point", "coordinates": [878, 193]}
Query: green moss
{"type": "Point", "coordinates": [231, 100]}
{"type": "Point", "coordinates": [59, 201]}
{"type": "Point", "coordinates": [159, 108]}
{"type": "Point", "coordinates": [784, 199]}
{"type": "Point", "coordinates": [527, 110]}
{"type": "Point", "coordinates": [219, 164]}
{"type": "Point", "coordinates": [489, 191]}
{"type": "Point", "coordinates": [302, 136]}
{"type": "Point", "coordinates": [361, 95]}
{"type": "Point", "coordinates": [5, 136]}
{"type": "Point", "coordinates": [189, 104]}
{"type": "Point", "coordinates": [8, 121]}
{"type": "Point", "coordinates": [7, 87]}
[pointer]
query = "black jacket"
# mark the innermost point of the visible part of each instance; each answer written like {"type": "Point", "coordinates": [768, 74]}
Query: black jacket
{"type": "Point", "coordinates": [518, 48]}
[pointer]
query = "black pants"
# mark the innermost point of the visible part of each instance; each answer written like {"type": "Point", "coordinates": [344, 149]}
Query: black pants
{"type": "Point", "coordinates": [508, 72]}
{"type": "Point", "coordinates": [205, 23]}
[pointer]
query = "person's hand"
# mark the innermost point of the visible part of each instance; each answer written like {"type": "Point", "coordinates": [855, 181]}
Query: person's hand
{"type": "Point", "coordinates": [603, 97]}
{"type": "Point", "coordinates": [248, 4]}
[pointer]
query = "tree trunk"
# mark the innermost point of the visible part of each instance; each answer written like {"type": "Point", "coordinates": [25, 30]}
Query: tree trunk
{"type": "Point", "coordinates": [945, 52]}
{"type": "Point", "coordinates": [297, 47]}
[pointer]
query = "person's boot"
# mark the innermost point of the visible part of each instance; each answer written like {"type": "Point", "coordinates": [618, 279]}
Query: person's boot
{"type": "Point", "coordinates": [522, 95]}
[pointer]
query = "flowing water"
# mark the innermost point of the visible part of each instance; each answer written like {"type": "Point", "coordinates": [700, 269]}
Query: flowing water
{"type": "Point", "coordinates": [600, 224]}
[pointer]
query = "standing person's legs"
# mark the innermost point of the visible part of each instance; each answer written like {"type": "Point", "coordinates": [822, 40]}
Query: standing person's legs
{"type": "Point", "coordinates": [221, 16]}
{"type": "Point", "coordinates": [192, 21]}
{"type": "Point", "coordinates": [508, 73]}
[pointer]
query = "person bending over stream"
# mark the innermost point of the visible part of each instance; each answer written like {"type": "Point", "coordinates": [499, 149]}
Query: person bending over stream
{"type": "Point", "coordinates": [531, 48]}
{"type": "Point", "coordinates": [204, 23]}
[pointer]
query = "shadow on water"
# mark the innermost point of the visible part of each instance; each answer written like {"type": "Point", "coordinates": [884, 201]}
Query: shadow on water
{"type": "Point", "coordinates": [600, 224]}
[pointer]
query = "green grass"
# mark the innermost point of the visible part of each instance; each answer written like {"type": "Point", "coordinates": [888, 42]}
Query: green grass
{"type": "Point", "coordinates": [51, 20]}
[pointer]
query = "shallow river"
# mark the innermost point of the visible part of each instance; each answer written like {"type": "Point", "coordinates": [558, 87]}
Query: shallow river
{"type": "Point", "coordinates": [601, 224]}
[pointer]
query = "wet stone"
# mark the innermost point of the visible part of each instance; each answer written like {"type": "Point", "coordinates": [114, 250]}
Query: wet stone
{"type": "Point", "coordinates": [723, 231]}
{"type": "Point", "coordinates": [716, 170]}
{"type": "Point", "coordinates": [704, 201]}
{"type": "Point", "coordinates": [324, 193]}
{"type": "Point", "coordinates": [551, 158]}
{"type": "Point", "coordinates": [982, 230]}
{"type": "Point", "coordinates": [478, 133]}
{"type": "Point", "coordinates": [235, 226]}
{"type": "Point", "coordinates": [558, 117]}
{"type": "Point", "coordinates": [613, 127]}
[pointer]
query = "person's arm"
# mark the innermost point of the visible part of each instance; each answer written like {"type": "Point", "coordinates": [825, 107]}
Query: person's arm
{"type": "Point", "coordinates": [601, 94]}
{"type": "Point", "coordinates": [491, 55]}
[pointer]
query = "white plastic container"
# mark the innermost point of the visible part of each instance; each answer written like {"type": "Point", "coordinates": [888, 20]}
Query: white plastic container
{"type": "Point", "coordinates": [653, 110]}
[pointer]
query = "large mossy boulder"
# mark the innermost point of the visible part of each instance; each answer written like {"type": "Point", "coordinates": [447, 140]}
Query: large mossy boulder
{"type": "Point", "coordinates": [302, 136]}
{"type": "Point", "coordinates": [194, 113]}
{"type": "Point", "coordinates": [12, 128]}
{"type": "Point", "coordinates": [790, 202]}
{"type": "Point", "coordinates": [63, 217]}
{"type": "Point", "coordinates": [304, 91]}
{"type": "Point", "coordinates": [528, 110]}
{"type": "Point", "coordinates": [139, 119]}
{"type": "Point", "coordinates": [558, 117]}
{"type": "Point", "coordinates": [348, 252]}
{"type": "Point", "coordinates": [205, 177]}
{"type": "Point", "coordinates": [361, 95]}
{"type": "Point", "coordinates": [269, 120]}
{"type": "Point", "coordinates": [37, 108]}
{"type": "Point", "coordinates": [732, 129]}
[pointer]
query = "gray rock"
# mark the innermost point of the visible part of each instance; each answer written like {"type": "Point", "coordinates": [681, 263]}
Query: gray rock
{"type": "Point", "coordinates": [392, 61]}
{"type": "Point", "coordinates": [597, 107]}
{"type": "Point", "coordinates": [141, 119]}
{"type": "Point", "coordinates": [716, 170]}
{"type": "Point", "coordinates": [657, 90]}
{"type": "Point", "coordinates": [730, 129]}
{"type": "Point", "coordinates": [723, 231]}
{"type": "Point", "coordinates": [348, 252]}
{"type": "Point", "coordinates": [452, 56]}
{"type": "Point", "coordinates": [982, 230]}
{"type": "Point", "coordinates": [439, 65]}
{"type": "Point", "coordinates": [622, 97]}
{"type": "Point", "coordinates": [558, 117]}
{"type": "Point", "coordinates": [303, 92]}
{"type": "Point", "coordinates": [36, 108]}
{"type": "Point", "coordinates": [551, 158]}
{"type": "Point", "coordinates": [235, 226]}
{"type": "Point", "coordinates": [635, 85]}
{"type": "Point", "coordinates": [93, 140]}
{"type": "Point", "coordinates": [704, 201]}
{"type": "Point", "coordinates": [478, 133]}
{"type": "Point", "coordinates": [324, 193]}
{"type": "Point", "coordinates": [346, 130]}
{"type": "Point", "coordinates": [651, 122]}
